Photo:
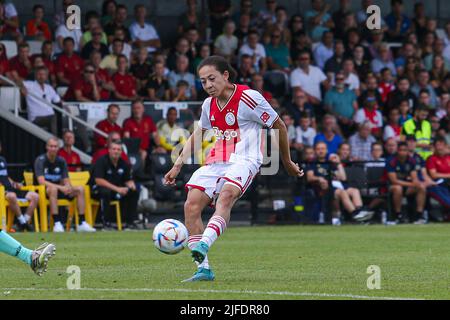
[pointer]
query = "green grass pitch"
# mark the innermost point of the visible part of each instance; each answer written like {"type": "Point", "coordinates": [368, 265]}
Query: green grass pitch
{"type": "Point", "coordinates": [283, 262]}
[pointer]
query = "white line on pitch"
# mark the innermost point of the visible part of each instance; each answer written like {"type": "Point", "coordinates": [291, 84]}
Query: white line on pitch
{"type": "Point", "coordinates": [266, 293]}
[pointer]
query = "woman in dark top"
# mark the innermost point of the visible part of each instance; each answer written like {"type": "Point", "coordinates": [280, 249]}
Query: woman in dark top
{"type": "Point", "coordinates": [157, 85]}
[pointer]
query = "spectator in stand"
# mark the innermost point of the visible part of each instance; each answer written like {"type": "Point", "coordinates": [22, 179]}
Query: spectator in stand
{"type": "Point", "coordinates": [390, 147]}
{"type": "Point", "coordinates": [393, 128]}
{"type": "Point", "coordinates": [402, 92]}
{"type": "Point", "coordinates": [255, 50]}
{"type": "Point", "coordinates": [318, 19]}
{"type": "Point", "coordinates": [111, 180]}
{"type": "Point", "coordinates": [328, 134]}
{"type": "Point", "coordinates": [296, 25]}
{"type": "Point", "coordinates": [424, 98]}
{"type": "Point", "coordinates": [106, 86]}
{"type": "Point", "coordinates": [398, 23]}
{"type": "Point", "coordinates": [344, 153]}
{"type": "Point", "coordinates": [341, 102]}
{"type": "Point", "coordinates": [110, 61]}
{"type": "Point", "coordinates": [60, 17]}
{"type": "Point", "coordinates": [438, 72]}
{"type": "Point", "coordinates": [339, 16]}
{"type": "Point", "coordinates": [181, 49]}
{"type": "Point", "coordinates": [112, 136]}
{"type": "Point", "coordinates": [334, 64]}
{"type": "Point", "coordinates": [158, 88]}
{"type": "Point", "coordinates": [181, 73]}
{"type": "Point", "coordinates": [371, 85]}
{"type": "Point", "coordinates": [243, 28]}
{"type": "Point", "coordinates": [258, 85]}
{"type": "Point", "coordinates": [245, 71]}
{"type": "Point", "coordinates": [190, 18]}
{"type": "Point", "coordinates": [62, 33]}
{"type": "Point", "coordinates": [92, 25]}
{"type": "Point", "coordinates": [9, 26]}
{"type": "Point", "coordinates": [141, 126]}
{"type": "Point", "coordinates": [124, 82]}
{"type": "Point", "coordinates": [289, 123]}
{"type": "Point", "coordinates": [369, 114]}
{"type": "Point", "coordinates": [119, 33]}
{"type": "Point", "coordinates": [301, 42]}
{"type": "Point", "coordinates": [405, 112]}
{"type": "Point", "coordinates": [298, 105]}
{"type": "Point", "coordinates": [47, 57]}
{"type": "Point", "coordinates": [277, 53]}
{"type": "Point", "coordinates": [72, 158]}
{"type": "Point", "coordinates": [245, 8]}
{"type": "Point", "coordinates": [227, 43]}
{"type": "Point", "coordinates": [181, 89]}
{"type": "Point", "coordinates": [324, 50]}
{"type": "Point", "coordinates": [68, 64]}
{"type": "Point", "coordinates": [20, 66]}
{"type": "Point", "coordinates": [361, 142]}
{"type": "Point", "coordinates": [118, 22]}
{"type": "Point", "coordinates": [51, 171]}
{"type": "Point", "coordinates": [407, 51]}
{"type": "Point", "coordinates": [39, 112]}
{"type": "Point", "coordinates": [420, 128]}
{"type": "Point", "coordinates": [376, 154]}
{"type": "Point", "coordinates": [305, 133]}
{"type": "Point", "coordinates": [144, 34]}
{"type": "Point", "coordinates": [95, 44]}
{"type": "Point", "coordinates": [402, 175]}
{"type": "Point", "coordinates": [420, 19]}
{"type": "Point", "coordinates": [280, 24]}
{"type": "Point", "coordinates": [109, 9]}
{"type": "Point", "coordinates": [362, 64]}
{"type": "Point", "coordinates": [308, 78]}
{"type": "Point", "coordinates": [438, 50]}
{"type": "Point", "coordinates": [37, 28]}
{"type": "Point", "coordinates": [85, 88]}
{"type": "Point", "coordinates": [423, 82]}
{"type": "Point", "coordinates": [435, 125]}
{"type": "Point", "coordinates": [141, 70]}
{"type": "Point", "coordinates": [386, 85]}
{"type": "Point", "coordinates": [107, 125]}
{"type": "Point", "coordinates": [170, 133]}
{"type": "Point", "coordinates": [193, 36]}
{"type": "Point", "coordinates": [4, 63]}
{"type": "Point", "coordinates": [351, 78]}
{"type": "Point", "coordinates": [438, 164]}
{"type": "Point", "coordinates": [14, 193]}
{"type": "Point", "coordinates": [384, 60]}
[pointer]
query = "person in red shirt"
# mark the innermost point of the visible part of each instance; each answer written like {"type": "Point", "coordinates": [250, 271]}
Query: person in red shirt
{"type": "Point", "coordinates": [438, 164]}
{"type": "Point", "coordinates": [141, 126]}
{"type": "Point", "coordinates": [20, 66]}
{"type": "Point", "coordinates": [108, 125]}
{"type": "Point", "coordinates": [386, 85]}
{"type": "Point", "coordinates": [124, 82]}
{"type": "Point", "coordinates": [72, 158]}
{"type": "Point", "coordinates": [37, 28]}
{"type": "Point", "coordinates": [112, 137]}
{"type": "Point", "coordinates": [46, 55]}
{"type": "Point", "coordinates": [68, 64]}
{"type": "Point", "coordinates": [104, 81]}
{"type": "Point", "coordinates": [4, 63]}
{"type": "Point", "coordinates": [84, 89]}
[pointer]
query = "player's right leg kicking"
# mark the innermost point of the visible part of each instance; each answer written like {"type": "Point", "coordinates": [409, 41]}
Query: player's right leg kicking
{"type": "Point", "coordinates": [196, 201]}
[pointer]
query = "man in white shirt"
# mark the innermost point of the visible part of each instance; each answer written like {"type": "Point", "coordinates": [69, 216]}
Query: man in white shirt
{"type": "Point", "coordinates": [144, 34]}
{"type": "Point", "coordinates": [305, 133]}
{"type": "Point", "coordinates": [255, 50]}
{"type": "Point", "coordinates": [308, 78]}
{"type": "Point", "coordinates": [40, 113]}
{"type": "Point", "coordinates": [325, 49]}
{"type": "Point", "coordinates": [62, 32]}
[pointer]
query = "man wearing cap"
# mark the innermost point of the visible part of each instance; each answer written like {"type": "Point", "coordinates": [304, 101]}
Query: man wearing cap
{"type": "Point", "coordinates": [420, 128]}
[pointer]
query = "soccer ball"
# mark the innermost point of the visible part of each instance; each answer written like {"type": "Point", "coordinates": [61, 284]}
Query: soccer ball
{"type": "Point", "coordinates": [170, 236]}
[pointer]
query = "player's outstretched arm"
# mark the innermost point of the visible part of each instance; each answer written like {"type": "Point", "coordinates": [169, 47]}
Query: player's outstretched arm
{"type": "Point", "coordinates": [292, 168]}
{"type": "Point", "coordinates": [192, 144]}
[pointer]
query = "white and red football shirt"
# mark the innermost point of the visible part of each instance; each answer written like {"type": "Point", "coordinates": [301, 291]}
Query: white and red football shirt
{"type": "Point", "coordinates": [238, 126]}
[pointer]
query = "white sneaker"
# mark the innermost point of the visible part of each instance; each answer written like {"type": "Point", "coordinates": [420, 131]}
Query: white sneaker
{"type": "Point", "coordinates": [58, 227]}
{"type": "Point", "coordinates": [364, 215]}
{"type": "Point", "coordinates": [336, 221]}
{"type": "Point", "coordinates": [85, 227]}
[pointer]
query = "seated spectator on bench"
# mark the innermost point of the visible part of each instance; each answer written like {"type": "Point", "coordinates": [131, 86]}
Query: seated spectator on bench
{"type": "Point", "coordinates": [112, 136]}
{"type": "Point", "coordinates": [37, 28]}
{"type": "Point", "coordinates": [402, 174]}
{"type": "Point", "coordinates": [361, 142]}
{"type": "Point", "coordinates": [86, 88]}
{"type": "Point", "coordinates": [181, 73]}
{"type": "Point", "coordinates": [111, 180]}
{"type": "Point", "coordinates": [158, 88]}
{"type": "Point", "coordinates": [47, 57]}
{"type": "Point", "coordinates": [305, 133]}
{"type": "Point", "coordinates": [438, 164]}
{"type": "Point", "coordinates": [393, 128]}
{"type": "Point", "coordinates": [329, 134]}
{"type": "Point", "coordinates": [68, 64]}
{"type": "Point", "coordinates": [102, 76]}
{"type": "Point", "coordinates": [124, 82]}
{"type": "Point", "coordinates": [141, 70]}
{"type": "Point", "coordinates": [14, 194]}
{"type": "Point", "coordinates": [95, 44]}
{"type": "Point", "coordinates": [109, 62]}
{"type": "Point", "coordinates": [370, 113]}
{"type": "Point", "coordinates": [51, 171]}
{"type": "Point", "coordinates": [72, 157]}
{"type": "Point", "coordinates": [108, 125]}
{"type": "Point", "coordinates": [20, 66]}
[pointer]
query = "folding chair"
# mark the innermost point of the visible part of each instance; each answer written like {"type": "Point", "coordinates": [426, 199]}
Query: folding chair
{"type": "Point", "coordinates": [81, 179]}
{"type": "Point", "coordinates": [44, 202]}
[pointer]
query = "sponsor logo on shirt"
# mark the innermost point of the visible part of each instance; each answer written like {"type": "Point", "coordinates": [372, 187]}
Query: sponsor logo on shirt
{"type": "Point", "coordinates": [224, 135]}
{"type": "Point", "coordinates": [265, 117]}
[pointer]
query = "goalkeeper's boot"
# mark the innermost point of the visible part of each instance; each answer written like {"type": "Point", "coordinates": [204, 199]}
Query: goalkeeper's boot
{"type": "Point", "coordinates": [40, 257]}
{"type": "Point", "coordinates": [200, 251]}
{"type": "Point", "coordinates": [202, 274]}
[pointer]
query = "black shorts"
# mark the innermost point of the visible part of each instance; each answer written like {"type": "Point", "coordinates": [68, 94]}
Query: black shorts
{"type": "Point", "coordinates": [63, 196]}
{"type": "Point", "coordinates": [20, 194]}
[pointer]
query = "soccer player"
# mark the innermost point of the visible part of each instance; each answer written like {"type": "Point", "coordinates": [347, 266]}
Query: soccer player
{"type": "Point", "coordinates": [236, 114]}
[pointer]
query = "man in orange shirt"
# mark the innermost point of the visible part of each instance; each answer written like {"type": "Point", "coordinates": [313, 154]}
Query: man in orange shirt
{"type": "Point", "coordinates": [72, 158]}
{"type": "Point", "coordinates": [107, 125]}
{"type": "Point", "coordinates": [141, 126]}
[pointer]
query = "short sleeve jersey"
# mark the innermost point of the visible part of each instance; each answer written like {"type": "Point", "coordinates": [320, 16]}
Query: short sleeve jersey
{"type": "Point", "coordinates": [4, 180]}
{"type": "Point", "coordinates": [105, 169]}
{"type": "Point", "coordinates": [403, 170]}
{"type": "Point", "coordinates": [237, 126]}
{"type": "Point", "coordinates": [54, 172]}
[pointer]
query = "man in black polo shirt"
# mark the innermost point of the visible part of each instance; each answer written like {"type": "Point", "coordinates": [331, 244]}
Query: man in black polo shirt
{"type": "Point", "coordinates": [14, 194]}
{"type": "Point", "coordinates": [111, 180]}
{"type": "Point", "coordinates": [51, 171]}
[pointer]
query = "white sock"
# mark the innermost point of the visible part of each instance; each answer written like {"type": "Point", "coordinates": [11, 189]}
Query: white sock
{"type": "Point", "coordinates": [216, 226]}
{"type": "Point", "coordinates": [21, 219]}
{"type": "Point", "coordinates": [27, 218]}
{"type": "Point", "coordinates": [192, 242]}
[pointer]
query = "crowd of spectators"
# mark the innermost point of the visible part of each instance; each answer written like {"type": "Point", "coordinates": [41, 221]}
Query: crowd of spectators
{"type": "Point", "coordinates": [354, 92]}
